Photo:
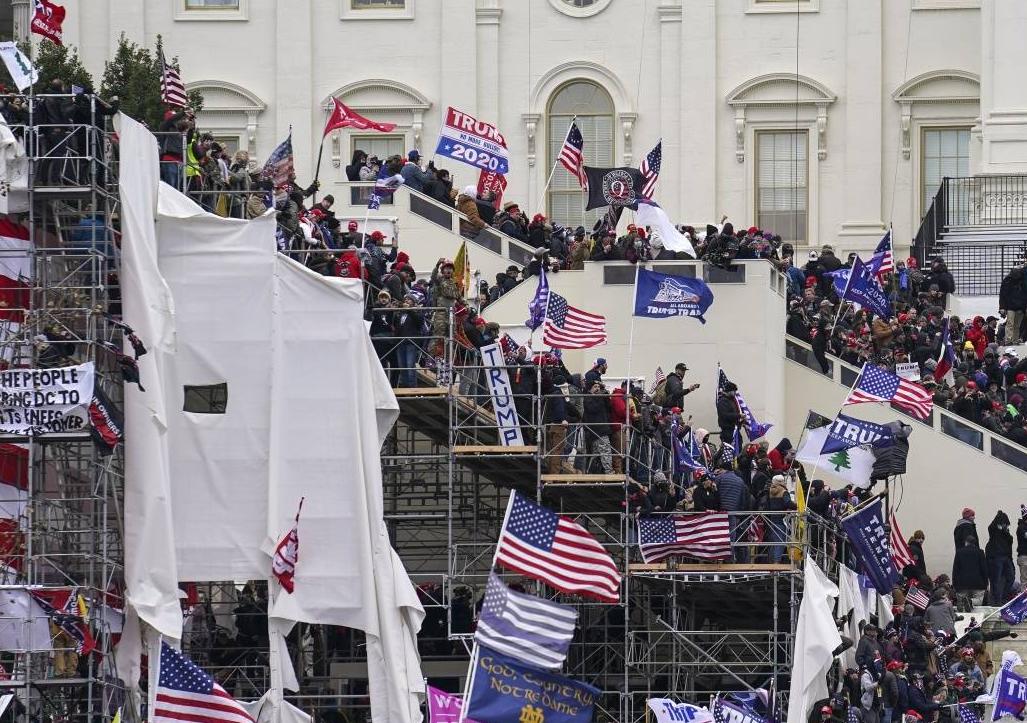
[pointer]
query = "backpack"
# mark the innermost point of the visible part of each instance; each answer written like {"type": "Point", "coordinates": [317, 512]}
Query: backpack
{"type": "Point", "coordinates": [659, 395]}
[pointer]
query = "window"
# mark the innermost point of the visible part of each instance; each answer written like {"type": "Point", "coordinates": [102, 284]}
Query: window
{"type": "Point", "coordinates": [378, 4]}
{"type": "Point", "coordinates": [376, 9]}
{"type": "Point", "coordinates": [379, 145]}
{"type": "Point", "coordinates": [945, 153]}
{"type": "Point", "coordinates": [593, 109]}
{"type": "Point", "coordinates": [580, 8]}
{"type": "Point", "coordinates": [216, 4]}
{"type": "Point", "coordinates": [580, 3]}
{"type": "Point", "coordinates": [206, 399]}
{"type": "Point", "coordinates": [783, 6]}
{"type": "Point", "coordinates": [782, 187]}
{"type": "Point", "coordinates": [210, 9]}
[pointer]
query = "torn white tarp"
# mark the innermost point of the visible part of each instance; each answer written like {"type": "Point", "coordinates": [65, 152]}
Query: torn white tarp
{"type": "Point", "coordinates": [259, 416]}
{"type": "Point", "coordinates": [14, 172]}
{"type": "Point", "coordinates": [24, 625]}
{"type": "Point", "coordinates": [816, 637]}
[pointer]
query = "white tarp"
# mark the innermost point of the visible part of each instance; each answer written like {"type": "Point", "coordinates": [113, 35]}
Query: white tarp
{"type": "Point", "coordinates": [24, 625]}
{"type": "Point", "coordinates": [276, 334]}
{"type": "Point", "coordinates": [14, 172]}
{"type": "Point", "coordinates": [851, 598]}
{"type": "Point", "coordinates": [816, 637]}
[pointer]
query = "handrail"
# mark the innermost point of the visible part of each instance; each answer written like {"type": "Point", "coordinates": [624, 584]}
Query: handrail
{"type": "Point", "coordinates": [931, 227]}
{"type": "Point", "coordinates": [941, 420]}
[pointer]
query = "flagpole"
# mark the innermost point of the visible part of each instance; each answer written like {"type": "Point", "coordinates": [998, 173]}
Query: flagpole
{"type": "Point", "coordinates": [552, 172]}
{"type": "Point", "coordinates": [473, 662]}
{"type": "Point", "coordinates": [627, 389]}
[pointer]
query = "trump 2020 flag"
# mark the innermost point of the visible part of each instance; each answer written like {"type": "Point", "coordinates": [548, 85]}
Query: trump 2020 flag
{"type": "Point", "coordinates": [685, 458]}
{"type": "Point", "coordinates": [863, 290]}
{"type": "Point", "coordinates": [847, 432]}
{"type": "Point", "coordinates": [865, 529]}
{"type": "Point", "coordinates": [1014, 612]}
{"type": "Point", "coordinates": [1010, 695]}
{"type": "Point", "coordinates": [504, 689]}
{"type": "Point", "coordinates": [658, 296]}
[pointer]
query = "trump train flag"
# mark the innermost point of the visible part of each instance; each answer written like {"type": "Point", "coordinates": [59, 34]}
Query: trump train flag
{"type": "Point", "coordinates": [658, 296]}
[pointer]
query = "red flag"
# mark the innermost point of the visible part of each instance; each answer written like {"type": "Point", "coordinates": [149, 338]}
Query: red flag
{"type": "Point", "coordinates": [494, 183]}
{"type": "Point", "coordinates": [287, 554]}
{"type": "Point", "coordinates": [343, 117]}
{"type": "Point", "coordinates": [47, 20]}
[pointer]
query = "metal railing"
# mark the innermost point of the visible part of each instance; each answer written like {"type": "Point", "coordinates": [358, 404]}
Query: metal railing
{"type": "Point", "coordinates": [931, 227]}
{"type": "Point", "coordinates": [978, 268]}
{"type": "Point", "coordinates": [985, 201]}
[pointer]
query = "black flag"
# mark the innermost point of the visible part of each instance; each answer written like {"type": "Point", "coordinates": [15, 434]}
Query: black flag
{"type": "Point", "coordinates": [614, 187]}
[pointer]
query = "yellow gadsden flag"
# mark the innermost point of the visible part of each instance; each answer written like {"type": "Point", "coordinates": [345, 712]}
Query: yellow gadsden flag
{"type": "Point", "coordinates": [800, 523]}
{"type": "Point", "coordinates": [462, 269]}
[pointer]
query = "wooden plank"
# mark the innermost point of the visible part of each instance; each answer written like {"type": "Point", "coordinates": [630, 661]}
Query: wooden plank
{"type": "Point", "coordinates": [494, 449]}
{"type": "Point", "coordinates": [422, 391]}
{"type": "Point", "coordinates": [583, 478]}
{"type": "Point", "coordinates": [725, 567]}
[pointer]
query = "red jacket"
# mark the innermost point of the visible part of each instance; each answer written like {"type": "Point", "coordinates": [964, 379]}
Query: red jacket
{"type": "Point", "coordinates": [978, 336]}
{"type": "Point", "coordinates": [348, 265]}
{"type": "Point", "coordinates": [618, 410]}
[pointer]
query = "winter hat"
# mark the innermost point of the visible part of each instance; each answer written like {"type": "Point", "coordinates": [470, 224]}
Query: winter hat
{"type": "Point", "coordinates": [968, 513]}
{"type": "Point", "coordinates": [813, 256]}
{"type": "Point", "coordinates": [402, 258]}
{"type": "Point", "coordinates": [599, 362]}
{"type": "Point", "coordinates": [377, 235]}
{"type": "Point", "coordinates": [969, 345]}
{"type": "Point", "coordinates": [414, 155]}
{"type": "Point", "coordinates": [471, 191]}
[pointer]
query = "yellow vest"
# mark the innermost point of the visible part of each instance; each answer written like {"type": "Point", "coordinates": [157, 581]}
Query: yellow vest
{"type": "Point", "coordinates": [192, 164]}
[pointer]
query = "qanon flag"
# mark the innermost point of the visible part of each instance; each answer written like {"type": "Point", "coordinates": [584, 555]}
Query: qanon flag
{"type": "Point", "coordinates": [870, 542]}
{"type": "Point", "coordinates": [614, 187]}
{"type": "Point", "coordinates": [661, 295]}
{"type": "Point", "coordinates": [847, 432]}
{"type": "Point", "coordinates": [476, 143]}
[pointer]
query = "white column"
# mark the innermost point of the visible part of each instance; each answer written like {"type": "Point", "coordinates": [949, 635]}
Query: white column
{"type": "Point", "coordinates": [700, 109]}
{"type": "Point", "coordinates": [668, 187]}
{"type": "Point", "coordinates": [294, 101]}
{"type": "Point", "coordinates": [22, 17]}
{"type": "Point", "coordinates": [1003, 90]}
{"type": "Point", "coordinates": [862, 225]}
{"type": "Point", "coordinates": [487, 15]}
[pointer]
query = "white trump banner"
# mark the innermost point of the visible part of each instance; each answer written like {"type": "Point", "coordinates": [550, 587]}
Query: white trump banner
{"type": "Point", "coordinates": [502, 395]}
{"type": "Point", "coordinates": [667, 711]}
{"type": "Point", "coordinates": [44, 401]}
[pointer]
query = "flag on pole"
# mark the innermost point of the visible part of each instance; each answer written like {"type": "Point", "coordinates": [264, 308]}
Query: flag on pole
{"type": "Point", "coordinates": [571, 155]}
{"type": "Point", "coordinates": [1014, 612]}
{"type": "Point", "coordinates": [278, 167]}
{"type": "Point", "coordinates": [186, 693]}
{"type": "Point", "coordinates": [863, 290]}
{"type": "Point", "coordinates": [528, 628]}
{"type": "Point", "coordinates": [344, 117]}
{"type": "Point", "coordinates": [947, 358]}
{"type": "Point", "coordinates": [172, 89]}
{"type": "Point", "coordinates": [539, 302]}
{"type": "Point", "coordinates": [658, 378]}
{"type": "Point", "coordinates": [650, 168]}
{"type": "Point", "coordinates": [753, 427]}
{"type": "Point", "coordinates": [23, 73]}
{"type": "Point", "coordinates": [883, 260]}
{"type": "Point", "coordinates": [705, 536]}
{"type": "Point", "coordinates": [917, 597]}
{"type": "Point", "coordinates": [61, 604]}
{"type": "Point", "coordinates": [687, 455]}
{"type": "Point", "coordinates": [287, 554]}
{"type": "Point", "coordinates": [555, 550]}
{"type": "Point", "coordinates": [799, 534]}
{"type": "Point", "coordinates": [566, 327]}
{"type": "Point", "coordinates": [901, 555]}
{"type": "Point", "coordinates": [385, 185]}
{"type": "Point", "coordinates": [462, 270]}
{"type": "Point", "coordinates": [880, 385]}
{"type": "Point", "coordinates": [47, 20]}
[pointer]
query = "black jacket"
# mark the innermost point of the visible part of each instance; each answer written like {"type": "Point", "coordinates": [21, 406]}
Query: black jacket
{"type": "Point", "coordinates": [676, 390]}
{"type": "Point", "coordinates": [1021, 535]}
{"type": "Point", "coordinates": [969, 569]}
{"type": "Point", "coordinates": [728, 415]}
{"type": "Point", "coordinates": [1012, 294]}
{"type": "Point", "coordinates": [1000, 542]}
{"type": "Point", "coordinates": [963, 530]}
{"type": "Point", "coordinates": [706, 500]}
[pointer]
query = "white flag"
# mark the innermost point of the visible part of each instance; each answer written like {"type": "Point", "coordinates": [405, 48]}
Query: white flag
{"type": "Point", "coordinates": [852, 465]}
{"type": "Point", "coordinates": [651, 215]}
{"type": "Point", "coordinates": [816, 637]}
{"type": "Point", "coordinates": [21, 69]}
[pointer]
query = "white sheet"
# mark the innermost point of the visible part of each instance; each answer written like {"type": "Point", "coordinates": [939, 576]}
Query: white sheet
{"type": "Point", "coordinates": [815, 638]}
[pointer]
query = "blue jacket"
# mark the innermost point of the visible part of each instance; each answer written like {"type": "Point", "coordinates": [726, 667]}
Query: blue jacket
{"type": "Point", "coordinates": [733, 494]}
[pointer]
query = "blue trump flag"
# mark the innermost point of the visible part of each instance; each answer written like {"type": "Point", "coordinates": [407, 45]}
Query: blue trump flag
{"type": "Point", "coordinates": [870, 543]}
{"type": "Point", "coordinates": [506, 690]}
{"type": "Point", "coordinates": [863, 289]}
{"type": "Point", "coordinates": [687, 456]}
{"type": "Point", "coordinates": [661, 295]}
{"type": "Point", "coordinates": [1010, 695]}
{"type": "Point", "coordinates": [847, 432]}
{"type": "Point", "coordinates": [538, 304]}
{"type": "Point", "coordinates": [1014, 612]}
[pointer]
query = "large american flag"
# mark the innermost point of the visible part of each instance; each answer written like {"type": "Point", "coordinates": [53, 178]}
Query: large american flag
{"type": "Point", "coordinates": [706, 536]}
{"type": "Point", "coordinates": [901, 555]}
{"type": "Point", "coordinates": [879, 385]}
{"type": "Point", "coordinates": [555, 550]}
{"type": "Point", "coordinates": [571, 155]}
{"type": "Point", "coordinates": [172, 90]}
{"type": "Point", "coordinates": [186, 693]}
{"type": "Point", "coordinates": [883, 260]}
{"type": "Point", "coordinates": [566, 327]}
{"type": "Point", "coordinates": [279, 167]}
{"type": "Point", "coordinates": [531, 629]}
{"type": "Point", "coordinates": [650, 168]}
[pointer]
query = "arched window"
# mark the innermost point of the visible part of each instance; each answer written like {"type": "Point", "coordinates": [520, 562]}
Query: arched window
{"type": "Point", "coordinates": [592, 109]}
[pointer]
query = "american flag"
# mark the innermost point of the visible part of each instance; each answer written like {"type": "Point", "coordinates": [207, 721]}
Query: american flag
{"type": "Point", "coordinates": [287, 554]}
{"type": "Point", "coordinates": [879, 385]}
{"type": "Point", "coordinates": [706, 536]}
{"type": "Point", "coordinates": [947, 359]}
{"type": "Point", "coordinates": [566, 327]}
{"type": "Point", "coordinates": [278, 168]}
{"type": "Point", "coordinates": [854, 716]}
{"type": "Point", "coordinates": [883, 260]}
{"type": "Point", "coordinates": [533, 630]}
{"type": "Point", "coordinates": [186, 693]}
{"type": "Point", "coordinates": [650, 168]}
{"type": "Point", "coordinates": [571, 156]}
{"type": "Point", "coordinates": [172, 90]}
{"type": "Point", "coordinates": [917, 597]}
{"type": "Point", "coordinates": [557, 551]}
{"type": "Point", "coordinates": [384, 185]}
{"type": "Point", "coordinates": [901, 555]}
{"type": "Point", "coordinates": [539, 302]}
{"type": "Point", "coordinates": [658, 378]}
{"type": "Point", "coordinates": [967, 714]}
